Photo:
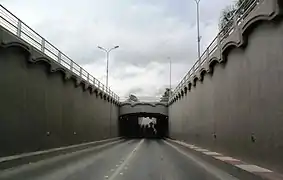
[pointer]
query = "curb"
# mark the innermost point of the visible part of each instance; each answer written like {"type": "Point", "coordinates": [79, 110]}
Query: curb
{"type": "Point", "coordinates": [232, 165]}
{"type": "Point", "coordinates": [16, 160]}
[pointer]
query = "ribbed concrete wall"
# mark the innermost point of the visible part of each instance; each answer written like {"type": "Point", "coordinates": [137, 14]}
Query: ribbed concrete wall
{"type": "Point", "coordinates": [41, 109]}
{"type": "Point", "coordinates": [237, 108]}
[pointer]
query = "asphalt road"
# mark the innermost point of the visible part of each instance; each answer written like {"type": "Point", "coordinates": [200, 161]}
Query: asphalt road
{"type": "Point", "coordinates": [128, 160]}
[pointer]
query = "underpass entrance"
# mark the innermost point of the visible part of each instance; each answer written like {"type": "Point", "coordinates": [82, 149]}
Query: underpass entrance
{"type": "Point", "coordinates": [143, 125]}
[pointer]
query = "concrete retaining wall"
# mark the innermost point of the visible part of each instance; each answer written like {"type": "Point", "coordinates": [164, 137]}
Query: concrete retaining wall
{"type": "Point", "coordinates": [43, 106]}
{"type": "Point", "coordinates": [237, 108]}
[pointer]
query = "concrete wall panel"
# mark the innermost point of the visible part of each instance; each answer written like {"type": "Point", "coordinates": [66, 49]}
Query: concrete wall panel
{"type": "Point", "coordinates": [237, 110]}
{"type": "Point", "coordinates": [40, 109]}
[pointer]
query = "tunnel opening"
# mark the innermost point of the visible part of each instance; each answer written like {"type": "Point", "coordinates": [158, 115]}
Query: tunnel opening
{"type": "Point", "coordinates": [143, 125]}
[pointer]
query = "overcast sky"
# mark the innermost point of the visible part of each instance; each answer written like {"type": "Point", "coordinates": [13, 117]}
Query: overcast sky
{"type": "Point", "coordinates": [147, 31]}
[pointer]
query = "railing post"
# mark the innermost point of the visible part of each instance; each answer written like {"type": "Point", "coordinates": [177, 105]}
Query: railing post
{"type": "Point", "coordinates": [236, 26]}
{"type": "Point", "coordinates": [71, 65]}
{"type": "Point", "coordinates": [235, 19]}
{"type": "Point", "coordinates": [219, 47]}
{"type": "Point", "coordinates": [93, 80]}
{"type": "Point", "coordinates": [88, 77]}
{"type": "Point", "coordinates": [81, 72]}
{"type": "Point", "coordinates": [42, 45]}
{"type": "Point", "coordinates": [207, 53]}
{"type": "Point", "coordinates": [19, 28]}
{"type": "Point", "coordinates": [59, 57]}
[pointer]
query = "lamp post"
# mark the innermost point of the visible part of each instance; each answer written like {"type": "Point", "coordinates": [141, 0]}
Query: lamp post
{"type": "Point", "coordinates": [170, 76]}
{"type": "Point", "coordinates": [107, 60]}
{"type": "Point", "coordinates": [198, 31]}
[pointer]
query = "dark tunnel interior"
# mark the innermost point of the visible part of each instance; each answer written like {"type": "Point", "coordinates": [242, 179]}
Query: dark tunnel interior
{"type": "Point", "coordinates": [143, 126]}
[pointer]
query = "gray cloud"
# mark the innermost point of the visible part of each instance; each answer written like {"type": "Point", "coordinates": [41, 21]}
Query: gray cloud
{"type": "Point", "coordinates": [147, 32]}
{"type": "Point", "coordinates": [135, 90]}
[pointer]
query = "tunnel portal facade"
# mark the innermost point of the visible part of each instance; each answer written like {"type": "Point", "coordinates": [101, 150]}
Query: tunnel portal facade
{"type": "Point", "coordinates": [143, 125]}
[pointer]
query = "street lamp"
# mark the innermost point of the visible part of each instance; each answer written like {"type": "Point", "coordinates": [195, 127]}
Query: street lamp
{"type": "Point", "coordinates": [107, 60]}
{"type": "Point", "coordinates": [199, 37]}
{"type": "Point", "coordinates": [170, 75]}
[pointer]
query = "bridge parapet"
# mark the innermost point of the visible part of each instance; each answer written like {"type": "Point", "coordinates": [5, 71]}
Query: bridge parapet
{"type": "Point", "coordinates": [150, 99]}
{"type": "Point", "coordinates": [143, 108]}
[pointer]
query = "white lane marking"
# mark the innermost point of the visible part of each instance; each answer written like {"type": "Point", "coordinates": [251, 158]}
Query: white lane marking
{"type": "Point", "coordinates": [226, 158]}
{"type": "Point", "coordinates": [253, 168]}
{"type": "Point", "coordinates": [212, 153]}
{"type": "Point", "coordinates": [185, 144]}
{"type": "Point", "coordinates": [221, 175]}
{"type": "Point", "coordinates": [106, 177]}
{"type": "Point", "coordinates": [62, 173]}
{"type": "Point", "coordinates": [247, 167]}
{"type": "Point", "coordinates": [19, 156]}
{"type": "Point", "coordinates": [201, 150]}
{"type": "Point", "coordinates": [121, 173]}
{"type": "Point", "coordinates": [126, 161]}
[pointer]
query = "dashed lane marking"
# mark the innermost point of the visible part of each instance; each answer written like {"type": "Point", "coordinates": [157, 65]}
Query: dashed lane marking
{"type": "Point", "coordinates": [125, 162]}
{"type": "Point", "coordinates": [201, 150]}
{"type": "Point", "coordinates": [212, 153]}
{"type": "Point", "coordinates": [252, 168]}
{"type": "Point", "coordinates": [221, 175]}
{"type": "Point", "coordinates": [226, 158]}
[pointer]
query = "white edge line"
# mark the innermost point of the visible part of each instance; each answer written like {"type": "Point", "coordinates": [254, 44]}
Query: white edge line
{"type": "Point", "coordinates": [247, 167]}
{"type": "Point", "coordinates": [220, 174]}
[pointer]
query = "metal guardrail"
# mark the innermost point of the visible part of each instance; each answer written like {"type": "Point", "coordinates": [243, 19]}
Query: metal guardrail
{"type": "Point", "coordinates": [237, 18]}
{"type": "Point", "coordinates": [24, 32]}
{"type": "Point", "coordinates": [143, 99]}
